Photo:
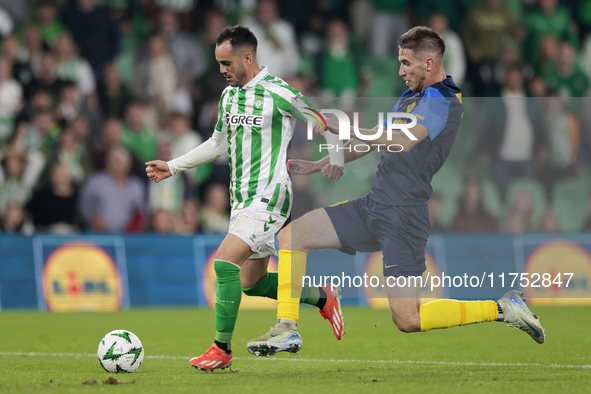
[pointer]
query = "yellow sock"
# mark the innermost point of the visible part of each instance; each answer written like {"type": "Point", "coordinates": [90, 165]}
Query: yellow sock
{"type": "Point", "coordinates": [451, 313]}
{"type": "Point", "coordinates": [292, 267]}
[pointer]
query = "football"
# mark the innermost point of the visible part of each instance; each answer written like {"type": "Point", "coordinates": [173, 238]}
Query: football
{"type": "Point", "coordinates": [120, 351]}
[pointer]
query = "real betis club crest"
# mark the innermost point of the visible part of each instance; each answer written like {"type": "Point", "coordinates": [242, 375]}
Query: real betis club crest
{"type": "Point", "coordinates": [258, 102]}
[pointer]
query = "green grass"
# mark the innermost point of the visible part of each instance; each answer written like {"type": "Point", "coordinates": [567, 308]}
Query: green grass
{"type": "Point", "coordinates": [441, 358]}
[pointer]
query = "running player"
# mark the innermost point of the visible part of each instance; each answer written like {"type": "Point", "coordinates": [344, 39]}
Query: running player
{"type": "Point", "coordinates": [393, 217]}
{"type": "Point", "coordinates": [255, 125]}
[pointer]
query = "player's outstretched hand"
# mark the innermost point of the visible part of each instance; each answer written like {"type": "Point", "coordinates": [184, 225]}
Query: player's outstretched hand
{"type": "Point", "coordinates": [332, 171]}
{"type": "Point", "coordinates": [157, 170]}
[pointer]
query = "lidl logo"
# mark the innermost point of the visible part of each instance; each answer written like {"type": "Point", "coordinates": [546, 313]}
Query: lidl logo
{"type": "Point", "coordinates": [81, 277]}
{"type": "Point", "coordinates": [549, 263]}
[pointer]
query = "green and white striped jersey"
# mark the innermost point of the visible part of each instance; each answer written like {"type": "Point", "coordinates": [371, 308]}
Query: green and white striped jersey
{"type": "Point", "coordinates": [259, 120]}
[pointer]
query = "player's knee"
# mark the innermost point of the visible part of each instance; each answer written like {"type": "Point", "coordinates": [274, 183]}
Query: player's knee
{"type": "Point", "coordinates": [284, 238]}
{"type": "Point", "coordinates": [407, 325]}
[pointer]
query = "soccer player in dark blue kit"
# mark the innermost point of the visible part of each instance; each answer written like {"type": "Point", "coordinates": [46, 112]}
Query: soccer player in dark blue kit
{"type": "Point", "coordinates": [393, 217]}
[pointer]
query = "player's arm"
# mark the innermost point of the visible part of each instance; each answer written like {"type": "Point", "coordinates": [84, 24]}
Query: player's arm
{"type": "Point", "coordinates": [216, 146]}
{"type": "Point", "coordinates": [303, 167]}
{"type": "Point", "coordinates": [400, 138]}
{"type": "Point", "coordinates": [419, 131]}
{"type": "Point", "coordinates": [335, 153]}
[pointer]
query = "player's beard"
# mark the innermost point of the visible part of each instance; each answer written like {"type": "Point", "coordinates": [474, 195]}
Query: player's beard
{"type": "Point", "coordinates": [240, 76]}
{"type": "Point", "coordinates": [419, 86]}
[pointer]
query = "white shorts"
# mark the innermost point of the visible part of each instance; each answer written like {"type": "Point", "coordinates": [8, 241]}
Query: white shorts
{"type": "Point", "coordinates": [257, 228]}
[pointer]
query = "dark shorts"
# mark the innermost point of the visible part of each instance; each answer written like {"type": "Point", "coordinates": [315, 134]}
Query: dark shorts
{"type": "Point", "coordinates": [401, 233]}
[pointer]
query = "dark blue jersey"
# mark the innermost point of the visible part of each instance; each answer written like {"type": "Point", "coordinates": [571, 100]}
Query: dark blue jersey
{"type": "Point", "coordinates": [404, 179]}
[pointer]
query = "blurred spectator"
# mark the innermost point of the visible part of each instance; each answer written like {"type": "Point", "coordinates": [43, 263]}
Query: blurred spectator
{"type": "Point", "coordinates": [11, 98]}
{"type": "Point", "coordinates": [113, 200]}
{"type": "Point", "coordinates": [14, 221]}
{"type": "Point", "coordinates": [113, 96]}
{"type": "Point", "coordinates": [167, 195]}
{"type": "Point", "coordinates": [488, 26]}
{"type": "Point", "coordinates": [549, 46]}
{"type": "Point", "coordinates": [111, 137]}
{"type": "Point", "coordinates": [41, 134]}
{"type": "Point", "coordinates": [71, 67]}
{"type": "Point", "coordinates": [33, 50]}
{"type": "Point", "coordinates": [72, 104]}
{"type": "Point", "coordinates": [473, 217]}
{"type": "Point", "coordinates": [538, 87]}
{"type": "Point", "coordinates": [214, 23]}
{"type": "Point", "coordinates": [184, 139]}
{"type": "Point", "coordinates": [53, 207]}
{"type": "Point", "coordinates": [47, 24]}
{"type": "Point", "coordinates": [566, 75]}
{"type": "Point", "coordinates": [339, 66]}
{"type": "Point", "coordinates": [454, 58]}
{"type": "Point", "coordinates": [71, 153]}
{"type": "Point", "coordinates": [186, 55]}
{"type": "Point", "coordinates": [563, 142]}
{"type": "Point", "coordinates": [40, 100]}
{"type": "Point", "coordinates": [81, 128]}
{"type": "Point", "coordinates": [513, 132]}
{"type": "Point", "coordinates": [156, 78]}
{"type": "Point", "coordinates": [46, 79]}
{"type": "Point", "coordinates": [187, 222]}
{"type": "Point", "coordinates": [277, 46]}
{"type": "Point", "coordinates": [548, 19]}
{"type": "Point", "coordinates": [21, 70]}
{"type": "Point", "coordinates": [435, 204]}
{"type": "Point", "coordinates": [163, 222]}
{"type": "Point", "coordinates": [95, 32]}
{"type": "Point", "coordinates": [520, 216]}
{"type": "Point", "coordinates": [389, 23]}
{"type": "Point", "coordinates": [550, 223]}
{"type": "Point", "coordinates": [13, 190]}
{"type": "Point", "coordinates": [214, 215]}
{"type": "Point", "coordinates": [207, 89]}
{"type": "Point", "coordinates": [510, 56]}
{"type": "Point", "coordinates": [137, 137]}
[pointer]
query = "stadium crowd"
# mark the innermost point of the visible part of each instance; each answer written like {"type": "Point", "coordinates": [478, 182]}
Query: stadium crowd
{"type": "Point", "coordinates": [90, 90]}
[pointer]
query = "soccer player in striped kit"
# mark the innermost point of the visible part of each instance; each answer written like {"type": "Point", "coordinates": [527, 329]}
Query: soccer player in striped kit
{"type": "Point", "coordinates": [257, 114]}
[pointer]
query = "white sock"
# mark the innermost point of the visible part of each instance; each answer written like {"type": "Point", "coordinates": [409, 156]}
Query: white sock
{"type": "Point", "coordinates": [287, 321]}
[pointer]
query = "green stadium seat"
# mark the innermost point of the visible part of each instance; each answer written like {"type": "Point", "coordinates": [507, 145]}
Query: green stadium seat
{"type": "Point", "coordinates": [570, 202]}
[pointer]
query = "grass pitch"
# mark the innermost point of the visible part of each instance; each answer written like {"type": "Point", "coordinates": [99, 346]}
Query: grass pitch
{"type": "Point", "coordinates": [45, 352]}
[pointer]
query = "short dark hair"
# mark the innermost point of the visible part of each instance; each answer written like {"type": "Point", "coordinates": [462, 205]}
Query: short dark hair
{"type": "Point", "coordinates": [422, 39]}
{"type": "Point", "coordinates": [239, 36]}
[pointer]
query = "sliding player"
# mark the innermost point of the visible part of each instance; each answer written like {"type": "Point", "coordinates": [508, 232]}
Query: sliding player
{"type": "Point", "coordinates": [393, 217]}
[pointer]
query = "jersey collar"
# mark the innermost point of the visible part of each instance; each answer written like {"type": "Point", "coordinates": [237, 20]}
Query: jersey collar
{"type": "Point", "coordinates": [262, 74]}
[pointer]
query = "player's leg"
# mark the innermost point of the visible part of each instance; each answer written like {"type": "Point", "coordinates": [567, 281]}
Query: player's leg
{"type": "Point", "coordinates": [258, 282]}
{"type": "Point", "coordinates": [312, 231]}
{"type": "Point", "coordinates": [403, 233]}
{"type": "Point", "coordinates": [229, 257]}
{"type": "Point", "coordinates": [410, 316]}
{"type": "Point", "coordinates": [341, 226]}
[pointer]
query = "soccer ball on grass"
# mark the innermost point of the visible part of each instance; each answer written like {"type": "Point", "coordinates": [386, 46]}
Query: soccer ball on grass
{"type": "Point", "coordinates": [120, 351]}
